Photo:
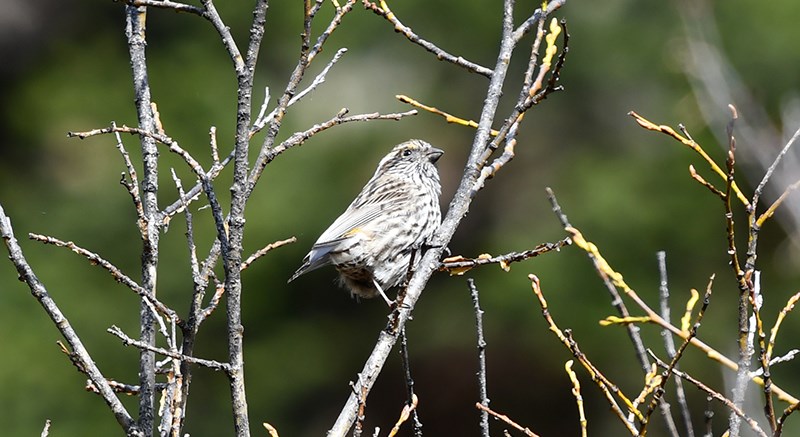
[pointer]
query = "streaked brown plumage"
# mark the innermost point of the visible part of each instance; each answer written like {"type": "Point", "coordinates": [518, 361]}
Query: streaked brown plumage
{"type": "Point", "coordinates": [397, 212]}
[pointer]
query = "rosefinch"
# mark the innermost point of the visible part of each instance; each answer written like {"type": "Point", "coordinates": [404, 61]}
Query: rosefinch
{"type": "Point", "coordinates": [397, 212]}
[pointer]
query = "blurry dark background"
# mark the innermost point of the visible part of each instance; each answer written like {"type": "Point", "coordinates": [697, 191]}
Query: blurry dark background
{"type": "Point", "coordinates": [65, 67]}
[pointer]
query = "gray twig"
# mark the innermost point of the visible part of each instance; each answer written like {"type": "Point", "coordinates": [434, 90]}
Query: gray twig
{"type": "Point", "coordinates": [79, 352]}
{"type": "Point", "coordinates": [211, 364]}
{"type": "Point", "coordinates": [622, 309]}
{"type": "Point", "coordinates": [264, 250]}
{"type": "Point", "coordinates": [713, 394]}
{"type": "Point", "coordinates": [459, 264]}
{"type": "Point", "coordinates": [482, 387]}
{"type": "Point", "coordinates": [149, 227]}
{"type": "Point", "coordinates": [440, 54]}
{"type": "Point", "coordinates": [669, 342]}
{"type": "Point", "coordinates": [115, 272]}
{"type": "Point", "coordinates": [46, 429]}
{"type": "Point", "coordinates": [411, 402]}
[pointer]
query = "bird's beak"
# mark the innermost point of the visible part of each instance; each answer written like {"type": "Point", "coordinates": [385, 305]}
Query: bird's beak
{"type": "Point", "coordinates": [434, 154]}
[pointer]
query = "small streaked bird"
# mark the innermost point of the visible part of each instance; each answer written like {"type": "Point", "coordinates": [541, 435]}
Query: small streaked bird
{"type": "Point", "coordinates": [396, 213]}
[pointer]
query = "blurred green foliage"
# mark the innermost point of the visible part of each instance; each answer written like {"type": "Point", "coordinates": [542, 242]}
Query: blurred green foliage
{"type": "Point", "coordinates": [625, 188]}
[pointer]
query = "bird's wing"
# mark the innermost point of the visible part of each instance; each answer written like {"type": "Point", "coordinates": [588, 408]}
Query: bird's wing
{"type": "Point", "coordinates": [377, 198]}
{"type": "Point", "coordinates": [373, 201]}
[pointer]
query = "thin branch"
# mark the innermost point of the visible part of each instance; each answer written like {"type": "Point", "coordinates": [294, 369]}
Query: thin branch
{"type": "Point", "coordinates": [384, 11]}
{"type": "Point", "coordinates": [410, 407]}
{"type": "Point", "coordinates": [745, 346]}
{"type": "Point", "coordinates": [772, 208]}
{"type": "Point", "coordinates": [135, 18]}
{"type": "Point", "coordinates": [714, 394]}
{"type": "Point", "coordinates": [669, 343]}
{"type": "Point", "coordinates": [133, 185]}
{"type": "Point", "coordinates": [120, 387]}
{"type": "Point", "coordinates": [79, 352]}
{"type": "Point", "coordinates": [46, 429]}
{"type": "Point", "coordinates": [506, 419]}
{"type": "Point", "coordinates": [576, 391]}
{"type": "Point", "coordinates": [219, 290]}
{"type": "Point", "coordinates": [786, 413]}
{"type": "Point", "coordinates": [264, 250]}
{"type": "Point", "coordinates": [603, 383]}
{"type": "Point", "coordinates": [341, 11]}
{"type": "Point", "coordinates": [458, 265]}
{"type": "Point", "coordinates": [618, 281]}
{"type": "Point", "coordinates": [696, 176]}
{"type": "Point", "coordinates": [458, 209]}
{"type": "Point", "coordinates": [690, 143]}
{"type": "Point", "coordinates": [173, 145]}
{"type": "Point", "coordinates": [199, 285]}
{"type": "Point", "coordinates": [482, 387]}
{"type": "Point", "coordinates": [298, 138]}
{"type": "Point", "coordinates": [262, 120]}
{"type": "Point", "coordinates": [760, 188]}
{"type": "Point", "coordinates": [757, 301]}
{"type": "Point", "coordinates": [449, 118]}
{"type": "Point", "coordinates": [128, 341]}
{"type": "Point", "coordinates": [168, 4]}
{"type": "Point", "coordinates": [779, 321]}
{"type": "Point", "coordinates": [115, 272]}
{"type": "Point", "coordinates": [612, 281]}
{"type": "Point", "coordinates": [659, 391]}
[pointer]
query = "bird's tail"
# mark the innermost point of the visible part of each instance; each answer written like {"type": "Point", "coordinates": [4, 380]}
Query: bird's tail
{"type": "Point", "coordinates": [304, 268]}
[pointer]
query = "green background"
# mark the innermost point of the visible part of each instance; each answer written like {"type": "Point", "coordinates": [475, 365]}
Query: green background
{"type": "Point", "coordinates": [66, 69]}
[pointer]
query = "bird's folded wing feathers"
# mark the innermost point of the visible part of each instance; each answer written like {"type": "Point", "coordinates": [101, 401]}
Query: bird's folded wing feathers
{"type": "Point", "coordinates": [359, 214]}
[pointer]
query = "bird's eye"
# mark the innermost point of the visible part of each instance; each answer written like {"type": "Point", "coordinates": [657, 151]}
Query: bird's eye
{"type": "Point", "coordinates": [406, 153]}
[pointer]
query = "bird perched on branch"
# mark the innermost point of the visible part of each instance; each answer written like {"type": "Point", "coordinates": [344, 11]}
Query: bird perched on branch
{"type": "Point", "coordinates": [396, 213]}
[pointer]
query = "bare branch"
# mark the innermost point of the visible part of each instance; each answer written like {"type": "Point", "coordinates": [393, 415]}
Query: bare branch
{"type": "Point", "coordinates": [161, 138]}
{"type": "Point", "coordinates": [168, 4]}
{"type": "Point", "coordinates": [690, 143]}
{"type": "Point", "coordinates": [506, 419]}
{"type": "Point", "coordinates": [126, 340]}
{"type": "Point", "coordinates": [665, 377]}
{"type": "Point", "coordinates": [61, 322]}
{"type": "Point", "coordinates": [482, 388]}
{"type": "Point", "coordinates": [135, 31]}
{"type": "Point", "coordinates": [46, 429]}
{"type": "Point", "coordinates": [384, 11]}
{"type": "Point", "coordinates": [458, 265]}
{"type": "Point", "coordinates": [298, 138]}
{"type": "Point", "coordinates": [773, 166]}
{"type": "Point", "coordinates": [669, 342]}
{"type": "Point", "coordinates": [262, 120]}
{"type": "Point", "coordinates": [604, 384]}
{"type": "Point", "coordinates": [714, 394]}
{"type": "Point", "coordinates": [410, 408]}
{"type": "Point", "coordinates": [264, 250]}
{"type": "Point", "coordinates": [115, 272]}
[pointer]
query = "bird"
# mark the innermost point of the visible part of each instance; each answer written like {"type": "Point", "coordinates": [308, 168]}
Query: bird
{"type": "Point", "coordinates": [396, 213]}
